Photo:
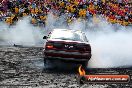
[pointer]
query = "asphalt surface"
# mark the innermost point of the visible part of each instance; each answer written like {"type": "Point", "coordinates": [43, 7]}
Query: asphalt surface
{"type": "Point", "coordinates": [24, 67]}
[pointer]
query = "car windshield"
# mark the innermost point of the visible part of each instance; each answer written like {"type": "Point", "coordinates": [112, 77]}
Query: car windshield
{"type": "Point", "coordinates": [66, 35]}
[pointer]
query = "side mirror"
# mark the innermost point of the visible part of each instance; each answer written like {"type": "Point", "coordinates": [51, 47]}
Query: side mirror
{"type": "Point", "coordinates": [45, 37]}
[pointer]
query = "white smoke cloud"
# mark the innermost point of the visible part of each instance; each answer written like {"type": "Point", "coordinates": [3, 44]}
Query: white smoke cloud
{"type": "Point", "coordinates": [111, 50]}
{"type": "Point", "coordinates": [23, 33]}
{"type": "Point", "coordinates": [111, 45]}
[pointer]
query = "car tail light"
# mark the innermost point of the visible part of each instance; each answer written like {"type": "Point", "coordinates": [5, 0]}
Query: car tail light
{"type": "Point", "coordinates": [54, 45]}
{"type": "Point", "coordinates": [49, 45]}
{"type": "Point", "coordinates": [83, 47]}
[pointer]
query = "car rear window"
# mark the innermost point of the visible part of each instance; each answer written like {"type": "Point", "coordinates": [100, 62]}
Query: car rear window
{"type": "Point", "coordinates": [65, 35]}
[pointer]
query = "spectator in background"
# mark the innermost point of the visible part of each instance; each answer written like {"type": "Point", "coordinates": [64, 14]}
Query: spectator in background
{"type": "Point", "coordinates": [115, 11]}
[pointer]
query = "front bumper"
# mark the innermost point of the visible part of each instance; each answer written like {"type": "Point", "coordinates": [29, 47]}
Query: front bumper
{"type": "Point", "coordinates": [70, 56]}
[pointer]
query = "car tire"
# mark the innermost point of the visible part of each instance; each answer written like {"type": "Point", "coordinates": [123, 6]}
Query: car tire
{"type": "Point", "coordinates": [49, 64]}
{"type": "Point", "coordinates": [84, 64]}
{"type": "Point", "coordinates": [46, 63]}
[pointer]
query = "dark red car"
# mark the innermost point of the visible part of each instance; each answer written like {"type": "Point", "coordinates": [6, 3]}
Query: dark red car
{"type": "Point", "coordinates": [67, 45]}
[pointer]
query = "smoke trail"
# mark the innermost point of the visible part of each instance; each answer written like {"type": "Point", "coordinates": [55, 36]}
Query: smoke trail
{"type": "Point", "coordinates": [22, 33]}
{"type": "Point", "coordinates": [111, 49]}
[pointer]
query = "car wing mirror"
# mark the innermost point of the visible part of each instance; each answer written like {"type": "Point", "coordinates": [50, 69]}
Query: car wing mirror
{"type": "Point", "coordinates": [45, 37]}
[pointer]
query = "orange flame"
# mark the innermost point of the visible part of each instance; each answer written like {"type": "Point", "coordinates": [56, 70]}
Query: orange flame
{"type": "Point", "coordinates": [81, 71]}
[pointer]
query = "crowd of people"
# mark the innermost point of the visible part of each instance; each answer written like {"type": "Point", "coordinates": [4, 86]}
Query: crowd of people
{"type": "Point", "coordinates": [114, 11]}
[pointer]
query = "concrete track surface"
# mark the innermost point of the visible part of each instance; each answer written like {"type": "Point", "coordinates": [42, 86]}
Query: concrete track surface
{"type": "Point", "coordinates": [24, 67]}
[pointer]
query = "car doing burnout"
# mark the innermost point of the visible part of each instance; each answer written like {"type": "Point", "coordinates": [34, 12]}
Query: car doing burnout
{"type": "Point", "coordinates": [67, 45]}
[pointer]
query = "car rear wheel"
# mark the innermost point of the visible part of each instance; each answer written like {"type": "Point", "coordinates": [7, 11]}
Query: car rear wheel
{"type": "Point", "coordinates": [49, 64]}
{"type": "Point", "coordinates": [46, 63]}
{"type": "Point", "coordinates": [84, 64]}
